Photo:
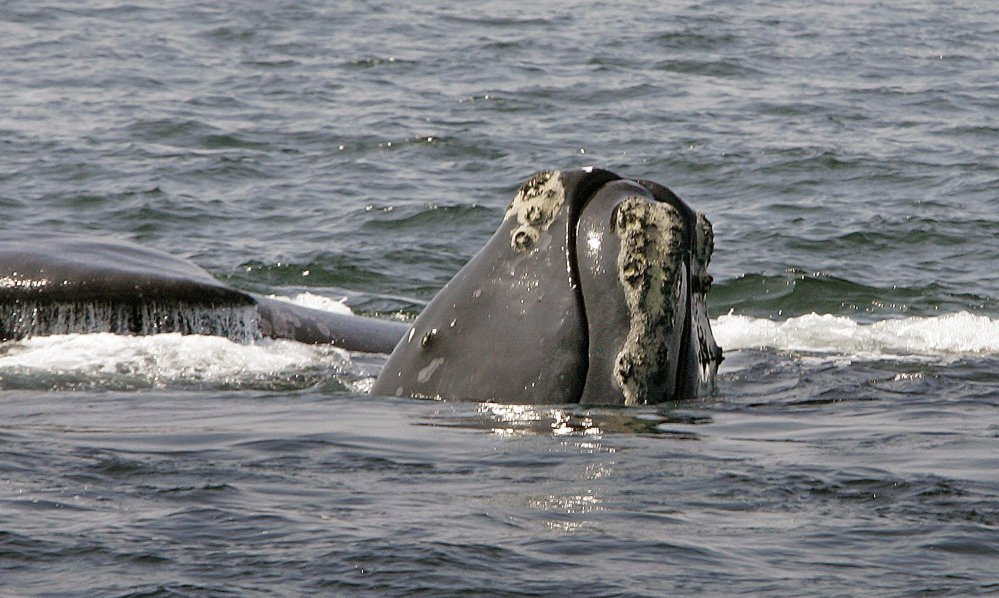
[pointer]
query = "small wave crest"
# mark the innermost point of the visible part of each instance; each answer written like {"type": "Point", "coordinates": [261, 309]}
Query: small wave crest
{"type": "Point", "coordinates": [198, 346]}
{"type": "Point", "coordinates": [954, 334]}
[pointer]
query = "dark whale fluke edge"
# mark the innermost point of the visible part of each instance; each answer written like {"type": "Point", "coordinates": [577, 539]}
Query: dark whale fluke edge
{"type": "Point", "coordinates": [591, 291]}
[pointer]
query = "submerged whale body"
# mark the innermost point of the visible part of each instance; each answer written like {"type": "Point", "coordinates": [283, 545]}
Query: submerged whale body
{"type": "Point", "coordinates": [591, 291]}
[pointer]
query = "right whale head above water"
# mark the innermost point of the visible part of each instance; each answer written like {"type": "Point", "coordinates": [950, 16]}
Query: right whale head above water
{"type": "Point", "coordinates": [592, 291]}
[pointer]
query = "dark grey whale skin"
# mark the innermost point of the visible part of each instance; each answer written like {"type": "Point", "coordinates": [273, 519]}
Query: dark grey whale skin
{"type": "Point", "coordinates": [56, 274]}
{"type": "Point", "coordinates": [591, 291]}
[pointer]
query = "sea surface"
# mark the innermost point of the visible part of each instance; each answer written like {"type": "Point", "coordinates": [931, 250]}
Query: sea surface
{"type": "Point", "coordinates": [361, 153]}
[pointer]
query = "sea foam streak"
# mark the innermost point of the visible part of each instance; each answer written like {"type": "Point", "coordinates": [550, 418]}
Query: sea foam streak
{"type": "Point", "coordinates": [947, 335]}
{"type": "Point", "coordinates": [174, 358]}
{"type": "Point", "coordinates": [166, 358]}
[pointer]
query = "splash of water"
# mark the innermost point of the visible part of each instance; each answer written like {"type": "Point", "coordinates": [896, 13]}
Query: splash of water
{"type": "Point", "coordinates": [27, 319]}
{"type": "Point", "coordinates": [945, 336]}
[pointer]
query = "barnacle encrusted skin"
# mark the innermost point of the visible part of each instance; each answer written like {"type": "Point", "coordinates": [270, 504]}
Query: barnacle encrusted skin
{"type": "Point", "coordinates": [650, 266]}
{"type": "Point", "coordinates": [535, 207]}
{"type": "Point", "coordinates": [709, 354]}
{"type": "Point", "coordinates": [705, 241]}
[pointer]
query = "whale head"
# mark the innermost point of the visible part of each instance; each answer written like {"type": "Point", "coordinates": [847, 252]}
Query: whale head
{"type": "Point", "coordinates": [591, 291]}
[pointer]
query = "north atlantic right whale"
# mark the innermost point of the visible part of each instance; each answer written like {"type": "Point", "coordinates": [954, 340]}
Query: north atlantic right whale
{"type": "Point", "coordinates": [591, 291]}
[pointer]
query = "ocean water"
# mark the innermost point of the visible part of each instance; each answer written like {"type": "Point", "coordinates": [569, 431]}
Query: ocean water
{"type": "Point", "coordinates": [361, 152]}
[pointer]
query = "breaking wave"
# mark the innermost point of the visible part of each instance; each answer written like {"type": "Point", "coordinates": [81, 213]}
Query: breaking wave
{"type": "Point", "coordinates": [169, 359]}
{"type": "Point", "coordinates": [947, 335]}
{"type": "Point", "coordinates": [164, 360]}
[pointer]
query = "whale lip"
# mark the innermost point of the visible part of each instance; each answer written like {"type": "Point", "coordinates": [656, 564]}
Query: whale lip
{"type": "Point", "coordinates": [525, 321]}
{"type": "Point", "coordinates": [636, 289]}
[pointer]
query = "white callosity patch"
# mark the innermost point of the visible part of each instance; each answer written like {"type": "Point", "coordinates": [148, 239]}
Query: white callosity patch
{"type": "Point", "coordinates": [703, 250]}
{"type": "Point", "coordinates": [535, 206]}
{"type": "Point", "coordinates": [649, 269]}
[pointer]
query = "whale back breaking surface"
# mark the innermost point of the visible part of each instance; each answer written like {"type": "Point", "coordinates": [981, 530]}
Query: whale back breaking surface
{"type": "Point", "coordinates": [54, 283]}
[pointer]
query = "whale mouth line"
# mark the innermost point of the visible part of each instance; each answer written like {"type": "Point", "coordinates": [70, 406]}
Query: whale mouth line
{"type": "Point", "coordinates": [582, 196]}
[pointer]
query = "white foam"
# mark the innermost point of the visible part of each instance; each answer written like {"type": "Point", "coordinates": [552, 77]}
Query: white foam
{"type": "Point", "coordinates": [167, 358]}
{"type": "Point", "coordinates": [317, 302]}
{"type": "Point", "coordinates": [175, 358]}
{"type": "Point", "coordinates": [947, 335]}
